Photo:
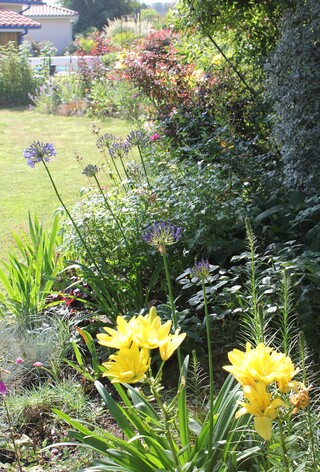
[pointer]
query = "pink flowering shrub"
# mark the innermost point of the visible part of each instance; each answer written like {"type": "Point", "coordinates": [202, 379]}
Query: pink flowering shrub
{"type": "Point", "coordinates": [158, 69]}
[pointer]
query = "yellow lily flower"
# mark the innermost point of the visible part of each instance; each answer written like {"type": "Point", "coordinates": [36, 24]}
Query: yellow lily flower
{"type": "Point", "coordinates": [239, 367]}
{"type": "Point", "coordinates": [261, 406]}
{"type": "Point", "coordinates": [122, 337]}
{"type": "Point", "coordinates": [128, 365]}
{"type": "Point", "coordinates": [262, 364]}
{"type": "Point", "coordinates": [149, 332]}
{"type": "Point", "coordinates": [171, 343]}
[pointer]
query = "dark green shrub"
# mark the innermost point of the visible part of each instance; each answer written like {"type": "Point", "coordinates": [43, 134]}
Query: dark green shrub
{"type": "Point", "coordinates": [294, 75]}
{"type": "Point", "coordinates": [17, 79]}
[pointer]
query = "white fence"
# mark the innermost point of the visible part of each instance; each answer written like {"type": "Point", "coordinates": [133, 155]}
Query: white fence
{"type": "Point", "coordinates": [62, 64]}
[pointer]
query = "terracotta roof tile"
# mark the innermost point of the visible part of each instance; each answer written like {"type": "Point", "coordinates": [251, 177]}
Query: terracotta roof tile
{"type": "Point", "coordinates": [49, 10]}
{"type": "Point", "coordinates": [11, 19]}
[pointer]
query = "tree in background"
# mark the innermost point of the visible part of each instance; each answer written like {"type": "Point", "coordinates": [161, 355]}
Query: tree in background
{"type": "Point", "coordinates": [294, 78]}
{"type": "Point", "coordinates": [242, 31]}
{"type": "Point", "coordinates": [95, 13]}
{"type": "Point", "coordinates": [241, 34]}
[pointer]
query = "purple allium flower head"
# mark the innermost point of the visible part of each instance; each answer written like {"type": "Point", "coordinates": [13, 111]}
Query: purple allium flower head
{"type": "Point", "coordinates": [119, 148]}
{"type": "Point", "coordinates": [38, 152]}
{"type": "Point", "coordinates": [19, 361]}
{"type": "Point", "coordinates": [162, 234]}
{"type": "Point", "coordinates": [90, 170]}
{"type": "Point", "coordinates": [3, 389]}
{"type": "Point", "coordinates": [105, 141]}
{"type": "Point", "coordinates": [37, 364]}
{"type": "Point", "coordinates": [201, 269]}
{"type": "Point", "coordinates": [137, 138]}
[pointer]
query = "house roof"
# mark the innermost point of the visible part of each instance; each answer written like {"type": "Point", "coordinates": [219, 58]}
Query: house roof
{"type": "Point", "coordinates": [20, 2]}
{"type": "Point", "coordinates": [10, 19]}
{"type": "Point", "coordinates": [49, 10]}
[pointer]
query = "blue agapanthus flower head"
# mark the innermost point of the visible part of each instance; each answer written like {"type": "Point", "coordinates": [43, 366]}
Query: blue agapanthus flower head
{"type": "Point", "coordinates": [162, 234]}
{"type": "Point", "coordinates": [119, 148]}
{"type": "Point", "coordinates": [136, 138]}
{"type": "Point", "coordinates": [90, 170]}
{"type": "Point", "coordinates": [105, 141]}
{"type": "Point", "coordinates": [201, 269]}
{"type": "Point", "coordinates": [38, 152]}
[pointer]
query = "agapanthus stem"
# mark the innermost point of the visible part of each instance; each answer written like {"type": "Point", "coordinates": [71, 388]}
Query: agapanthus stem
{"type": "Point", "coordinates": [124, 167]}
{"type": "Point", "coordinates": [210, 362]}
{"type": "Point", "coordinates": [143, 164]}
{"type": "Point", "coordinates": [71, 219]}
{"type": "Point", "coordinates": [110, 210]}
{"type": "Point", "coordinates": [172, 304]}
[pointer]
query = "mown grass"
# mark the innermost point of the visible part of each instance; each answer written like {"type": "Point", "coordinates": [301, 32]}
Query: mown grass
{"type": "Point", "coordinates": [23, 189]}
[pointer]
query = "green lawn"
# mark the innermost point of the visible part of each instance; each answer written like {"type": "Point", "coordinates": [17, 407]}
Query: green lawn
{"type": "Point", "coordinates": [22, 188]}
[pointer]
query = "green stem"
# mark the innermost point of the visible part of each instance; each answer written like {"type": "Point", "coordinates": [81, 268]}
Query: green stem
{"type": "Point", "coordinates": [16, 450]}
{"type": "Point", "coordinates": [171, 299]}
{"type": "Point", "coordinates": [143, 164]}
{"type": "Point", "coordinates": [257, 313]}
{"type": "Point", "coordinates": [116, 168]}
{"type": "Point", "coordinates": [167, 428]}
{"type": "Point", "coordinates": [71, 219]}
{"type": "Point", "coordinates": [283, 447]}
{"type": "Point", "coordinates": [304, 371]}
{"type": "Point", "coordinates": [110, 210]}
{"type": "Point", "coordinates": [210, 362]}
{"type": "Point", "coordinates": [124, 168]}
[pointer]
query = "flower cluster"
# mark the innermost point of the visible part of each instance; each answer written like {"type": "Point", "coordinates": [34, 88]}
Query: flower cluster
{"type": "Point", "coordinates": [201, 269]}
{"type": "Point", "coordinates": [134, 339]}
{"type": "Point", "coordinates": [119, 148]}
{"type": "Point", "coordinates": [162, 234]}
{"type": "Point", "coordinates": [137, 138]}
{"type": "Point", "coordinates": [38, 152]}
{"type": "Point", "coordinates": [105, 141]}
{"type": "Point", "coordinates": [154, 137]}
{"type": "Point", "coordinates": [258, 370]}
{"type": "Point", "coordinates": [90, 170]}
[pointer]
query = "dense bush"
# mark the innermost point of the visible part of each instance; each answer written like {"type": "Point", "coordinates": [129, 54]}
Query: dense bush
{"type": "Point", "coordinates": [17, 79]}
{"type": "Point", "coordinates": [294, 88]}
{"type": "Point", "coordinates": [206, 112]}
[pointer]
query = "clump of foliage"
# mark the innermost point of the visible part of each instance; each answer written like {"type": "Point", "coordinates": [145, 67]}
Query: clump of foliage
{"type": "Point", "coordinates": [17, 79]}
{"type": "Point", "coordinates": [31, 273]}
{"type": "Point", "coordinates": [158, 71]}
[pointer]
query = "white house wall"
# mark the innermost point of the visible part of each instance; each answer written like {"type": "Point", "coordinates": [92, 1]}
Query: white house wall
{"type": "Point", "coordinates": [13, 7]}
{"type": "Point", "coordinates": [56, 30]}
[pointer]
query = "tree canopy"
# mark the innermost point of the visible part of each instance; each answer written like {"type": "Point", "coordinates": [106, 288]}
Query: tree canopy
{"type": "Point", "coordinates": [95, 13]}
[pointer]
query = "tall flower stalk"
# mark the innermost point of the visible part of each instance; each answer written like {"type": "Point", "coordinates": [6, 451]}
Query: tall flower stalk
{"type": "Point", "coordinates": [160, 235]}
{"type": "Point", "coordinates": [309, 419]}
{"type": "Point", "coordinates": [91, 171]}
{"type": "Point", "coordinates": [201, 270]}
{"type": "Point", "coordinates": [42, 152]}
{"type": "Point", "coordinates": [104, 143]}
{"type": "Point", "coordinates": [138, 138]}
